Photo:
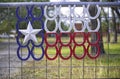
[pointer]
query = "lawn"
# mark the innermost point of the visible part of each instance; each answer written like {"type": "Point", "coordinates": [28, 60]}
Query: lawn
{"type": "Point", "coordinates": [105, 66]}
{"type": "Point", "coordinates": [102, 67]}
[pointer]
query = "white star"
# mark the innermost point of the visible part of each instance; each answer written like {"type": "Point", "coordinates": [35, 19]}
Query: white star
{"type": "Point", "coordinates": [30, 33]}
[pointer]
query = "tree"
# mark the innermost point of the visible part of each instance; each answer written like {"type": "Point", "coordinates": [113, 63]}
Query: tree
{"type": "Point", "coordinates": [114, 27]}
{"type": "Point", "coordinates": [8, 16]}
{"type": "Point", "coordinates": [7, 20]}
{"type": "Point", "coordinates": [115, 13]}
{"type": "Point", "coordinates": [107, 22]}
{"type": "Point", "coordinates": [93, 11]}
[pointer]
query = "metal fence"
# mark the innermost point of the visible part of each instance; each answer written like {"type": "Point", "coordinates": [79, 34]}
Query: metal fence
{"type": "Point", "coordinates": [11, 67]}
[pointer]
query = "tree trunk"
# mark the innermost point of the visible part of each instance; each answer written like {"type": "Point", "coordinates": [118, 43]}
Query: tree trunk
{"type": "Point", "coordinates": [108, 32]}
{"type": "Point", "coordinates": [93, 11]}
{"type": "Point", "coordinates": [114, 27]}
{"type": "Point", "coordinates": [101, 45]}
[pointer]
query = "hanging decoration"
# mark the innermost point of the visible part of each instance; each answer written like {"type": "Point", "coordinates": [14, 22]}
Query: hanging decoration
{"type": "Point", "coordinates": [30, 34]}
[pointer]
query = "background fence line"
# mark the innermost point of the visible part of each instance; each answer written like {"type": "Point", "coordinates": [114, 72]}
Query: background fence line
{"type": "Point", "coordinates": [103, 67]}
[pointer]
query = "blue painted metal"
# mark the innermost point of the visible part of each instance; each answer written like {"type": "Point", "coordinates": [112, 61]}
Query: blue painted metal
{"type": "Point", "coordinates": [26, 19]}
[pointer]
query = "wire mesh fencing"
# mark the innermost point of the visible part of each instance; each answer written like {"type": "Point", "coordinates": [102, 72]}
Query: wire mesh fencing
{"type": "Point", "coordinates": [62, 47]}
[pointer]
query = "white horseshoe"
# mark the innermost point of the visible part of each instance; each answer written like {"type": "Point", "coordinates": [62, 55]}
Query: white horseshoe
{"type": "Point", "coordinates": [84, 11]}
{"type": "Point", "coordinates": [61, 16]}
{"type": "Point", "coordinates": [65, 18]}
{"type": "Point", "coordinates": [45, 13]}
{"type": "Point", "coordinates": [83, 27]}
{"type": "Point", "coordinates": [56, 27]}
{"type": "Point", "coordinates": [78, 18]}
{"type": "Point", "coordinates": [98, 12]}
{"type": "Point", "coordinates": [95, 30]}
{"type": "Point", "coordinates": [70, 27]}
{"type": "Point", "coordinates": [73, 10]}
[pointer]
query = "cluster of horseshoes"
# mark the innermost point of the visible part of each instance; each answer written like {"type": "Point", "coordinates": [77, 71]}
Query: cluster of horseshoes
{"type": "Point", "coordinates": [53, 16]}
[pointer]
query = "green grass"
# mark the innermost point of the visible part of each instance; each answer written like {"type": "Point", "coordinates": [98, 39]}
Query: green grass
{"type": "Point", "coordinates": [99, 67]}
{"type": "Point", "coordinates": [105, 66]}
{"type": "Point", "coordinates": [1, 40]}
{"type": "Point", "coordinates": [112, 48]}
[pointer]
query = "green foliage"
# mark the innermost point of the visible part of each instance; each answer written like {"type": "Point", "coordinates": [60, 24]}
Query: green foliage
{"type": "Point", "coordinates": [8, 17]}
{"type": "Point", "coordinates": [64, 26]}
{"type": "Point", "coordinates": [5, 27]}
{"type": "Point", "coordinates": [7, 24]}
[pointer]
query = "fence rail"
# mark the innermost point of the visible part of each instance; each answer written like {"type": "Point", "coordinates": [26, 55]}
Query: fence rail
{"type": "Point", "coordinates": [15, 4]}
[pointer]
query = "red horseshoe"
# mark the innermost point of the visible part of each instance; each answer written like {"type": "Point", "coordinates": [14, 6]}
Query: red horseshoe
{"type": "Point", "coordinates": [48, 56]}
{"type": "Point", "coordinates": [81, 57]}
{"type": "Point", "coordinates": [65, 58]}
{"type": "Point", "coordinates": [98, 38]}
{"type": "Point", "coordinates": [97, 54]}
{"type": "Point", "coordinates": [51, 45]}
{"type": "Point", "coordinates": [84, 39]}
{"type": "Point", "coordinates": [68, 42]}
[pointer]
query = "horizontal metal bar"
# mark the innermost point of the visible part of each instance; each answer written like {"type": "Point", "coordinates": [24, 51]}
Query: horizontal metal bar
{"type": "Point", "coordinates": [64, 66]}
{"type": "Point", "coordinates": [15, 4]}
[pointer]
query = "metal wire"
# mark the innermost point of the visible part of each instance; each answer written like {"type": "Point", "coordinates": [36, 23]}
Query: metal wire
{"type": "Point", "coordinates": [59, 66]}
{"type": "Point", "coordinates": [16, 4]}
